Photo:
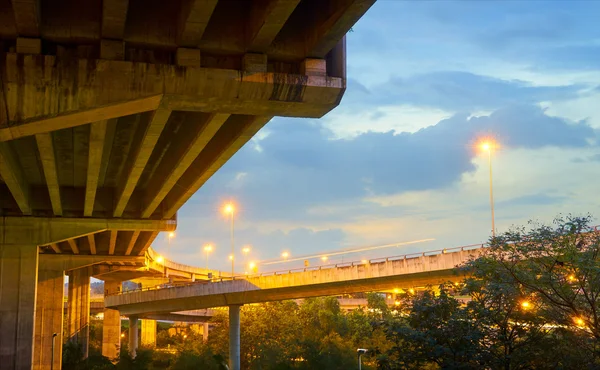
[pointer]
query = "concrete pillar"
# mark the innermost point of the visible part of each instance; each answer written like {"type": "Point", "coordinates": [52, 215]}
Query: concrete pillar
{"type": "Point", "coordinates": [205, 332]}
{"type": "Point", "coordinates": [18, 283]}
{"type": "Point", "coordinates": [149, 333]}
{"type": "Point", "coordinates": [111, 326]}
{"type": "Point", "coordinates": [48, 319]}
{"type": "Point", "coordinates": [133, 335]}
{"type": "Point", "coordinates": [78, 326]}
{"type": "Point", "coordinates": [234, 337]}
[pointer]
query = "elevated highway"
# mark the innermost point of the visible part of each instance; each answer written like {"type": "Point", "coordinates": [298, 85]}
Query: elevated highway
{"type": "Point", "coordinates": [113, 113]}
{"type": "Point", "coordinates": [411, 271]}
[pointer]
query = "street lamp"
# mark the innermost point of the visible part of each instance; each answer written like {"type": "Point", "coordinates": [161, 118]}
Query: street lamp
{"type": "Point", "coordinates": [285, 255]}
{"type": "Point", "coordinates": [360, 352]}
{"type": "Point", "coordinates": [207, 249]}
{"type": "Point", "coordinates": [229, 209]}
{"type": "Point", "coordinates": [489, 146]}
{"type": "Point", "coordinates": [170, 236]}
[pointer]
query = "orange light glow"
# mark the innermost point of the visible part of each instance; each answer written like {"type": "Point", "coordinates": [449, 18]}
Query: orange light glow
{"type": "Point", "coordinates": [229, 209]}
{"type": "Point", "coordinates": [579, 321]}
{"type": "Point", "coordinates": [324, 258]}
{"type": "Point", "coordinates": [285, 255]}
{"type": "Point", "coordinates": [412, 291]}
{"type": "Point", "coordinates": [208, 248]}
{"type": "Point", "coordinates": [160, 259]}
{"type": "Point", "coordinates": [171, 234]}
{"type": "Point", "coordinates": [525, 305]}
{"type": "Point", "coordinates": [246, 250]}
{"type": "Point", "coordinates": [231, 257]}
{"type": "Point", "coordinates": [571, 278]}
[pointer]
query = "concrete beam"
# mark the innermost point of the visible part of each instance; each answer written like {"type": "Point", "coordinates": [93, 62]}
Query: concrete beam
{"type": "Point", "coordinates": [113, 242]}
{"type": "Point", "coordinates": [66, 262]}
{"type": "Point", "coordinates": [114, 17]}
{"type": "Point", "coordinates": [330, 28]}
{"type": "Point", "coordinates": [265, 21]}
{"type": "Point", "coordinates": [46, 150]}
{"type": "Point", "coordinates": [27, 17]}
{"type": "Point", "coordinates": [148, 243]}
{"type": "Point", "coordinates": [73, 245]}
{"type": "Point", "coordinates": [55, 248]}
{"type": "Point", "coordinates": [179, 317]}
{"type": "Point", "coordinates": [45, 231]}
{"type": "Point", "coordinates": [236, 132]}
{"type": "Point", "coordinates": [96, 149]}
{"type": "Point", "coordinates": [131, 243]}
{"type": "Point", "coordinates": [146, 140]}
{"type": "Point", "coordinates": [13, 176]}
{"type": "Point", "coordinates": [141, 87]}
{"type": "Point", "coordinates": [193, 19]}
{"type": "Point", "coordinates": [92, 243]}
{"type": "Point", "coordinates": [185, 148]}
{"type": "Point", "coordinates": [43, 123]}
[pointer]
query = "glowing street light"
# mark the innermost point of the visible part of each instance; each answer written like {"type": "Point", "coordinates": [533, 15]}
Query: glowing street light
{"type": "Point", "coordinates": [579, 321]}
{"type": "Point", "coordinates": [489, 146]}
{"type": "Point", "coordinates": [229, 209]}
{"type": "Point", "coordinates": [324, 258]}
{"type": "Point", "coordinates": [526, 305]}
{"type": "Point", "coordinates": [160, 259]}
{"type": "Point", "coordinates": [170, 236]}
{"type": "Point", "coordinates": [207, 249]}
{"type": "Point", "coordinates": [285, 255]}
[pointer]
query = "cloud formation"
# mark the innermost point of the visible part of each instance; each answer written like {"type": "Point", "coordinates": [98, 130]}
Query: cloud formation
{"type": "Point", "coordinates": [300, 164]}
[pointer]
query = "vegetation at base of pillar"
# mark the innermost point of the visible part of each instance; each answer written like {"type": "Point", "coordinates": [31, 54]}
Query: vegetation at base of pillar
{"type": "Point", "coordinates": [530, 302]}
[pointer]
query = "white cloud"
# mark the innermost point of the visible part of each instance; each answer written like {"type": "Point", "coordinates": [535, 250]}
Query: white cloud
{"type": "Point", "coordinates": [400, 118]}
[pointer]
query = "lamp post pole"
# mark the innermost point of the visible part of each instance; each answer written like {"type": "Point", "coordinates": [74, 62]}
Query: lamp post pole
{"type": "Point", "coordinates": [491, 192]}
{"type": "Point", "coordinates": [232, 247]}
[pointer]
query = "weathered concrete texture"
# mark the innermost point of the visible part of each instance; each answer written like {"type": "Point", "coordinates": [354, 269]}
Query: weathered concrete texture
{"type": "Point", "coordinates": [348, 278]}
{"type": "Point", "coordinates": [78, 326]}
{"type": "Point", "coordinates": [234, 337]}
{"type": "Point", "coordinates": [133, 335]}
{"type": "Point", "coordinates": [48, 319]}
{"type": "Point", "coordinates": [111, 328]}
{"type": "Point", "coordinates": [148, 333]}
{"type": "Point", "coordinates": [18, 279]}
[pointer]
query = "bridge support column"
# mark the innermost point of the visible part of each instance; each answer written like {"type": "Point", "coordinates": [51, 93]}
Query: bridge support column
{"type": "Point", "coordinates": [205, 332]}
{"type": "Point", "coordinates": [49, 318]}
{"type": "Point", "coordinates": [79, 308]}
{"type": "Point", "coordinates": [234, 337]}
{"type": "Point", "coordinates": [18, 279]}
{"type": "Point", "coordinates": [111, 327]}
{"type": "Point", "coordinates": [149, 333]}
{"type": "Point", "coordinates": [133, 335]}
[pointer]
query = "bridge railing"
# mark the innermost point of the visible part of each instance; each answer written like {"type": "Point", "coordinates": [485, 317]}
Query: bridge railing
{"type": "Point", "coordinates": [406, 256]}
{"type": "Point", "coordinates": [305, 269]}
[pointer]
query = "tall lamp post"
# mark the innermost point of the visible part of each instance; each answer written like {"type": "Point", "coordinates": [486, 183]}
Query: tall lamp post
{"type": "Point", "coordinates": [230, 210]}
{"type": "Point", "coordinates": [488, 146]}
{"type": "Point", "coordinates": [207, 249]}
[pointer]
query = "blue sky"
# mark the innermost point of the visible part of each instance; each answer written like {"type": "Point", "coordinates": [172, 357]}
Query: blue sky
{"type": "Point", "coordinates": [396, 160]}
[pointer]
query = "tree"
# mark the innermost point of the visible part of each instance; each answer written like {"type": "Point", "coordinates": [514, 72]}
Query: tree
{"type": "Point", "coordinates": [555, 268]}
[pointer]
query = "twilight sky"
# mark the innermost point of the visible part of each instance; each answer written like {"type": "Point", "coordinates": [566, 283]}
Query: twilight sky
{"type": "Point", "coordinates": [396, 160]}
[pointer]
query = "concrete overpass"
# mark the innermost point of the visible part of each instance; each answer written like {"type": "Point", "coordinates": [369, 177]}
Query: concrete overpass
{"type": "Point", "coordinates": [113, 113]}
{"type": "Point", "coordinates": [401, 272]}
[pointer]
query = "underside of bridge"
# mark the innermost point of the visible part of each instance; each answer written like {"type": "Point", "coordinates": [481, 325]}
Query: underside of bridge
{"type": "Point", "coordinates": [113, 113]}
